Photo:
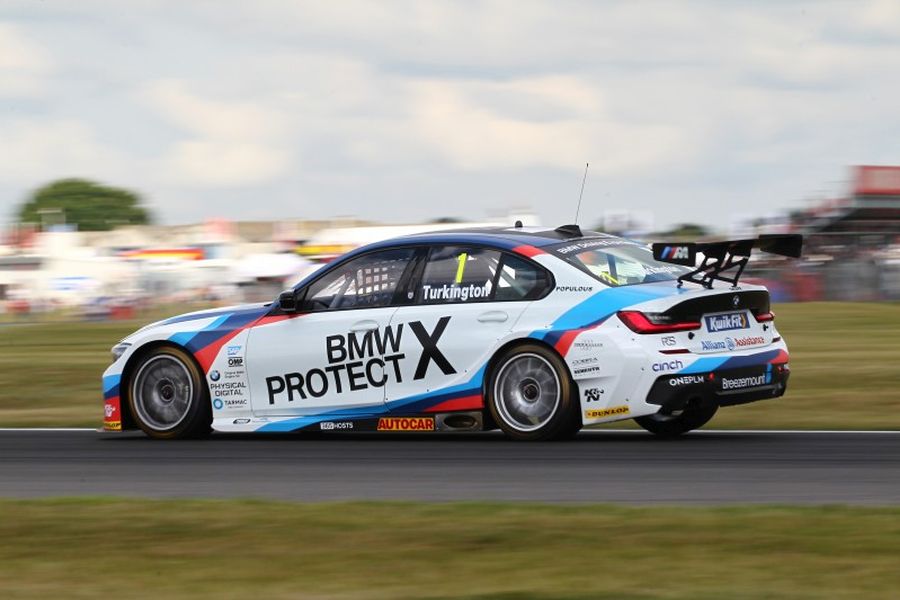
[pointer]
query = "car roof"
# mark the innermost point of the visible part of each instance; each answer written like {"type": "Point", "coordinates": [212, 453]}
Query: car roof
{"type": "Point", "coordinates": [498, 237]}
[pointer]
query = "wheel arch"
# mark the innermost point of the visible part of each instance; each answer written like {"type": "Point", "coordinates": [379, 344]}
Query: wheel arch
{"type": "Point", "coordinates": [495, 359]}
{"type": "Point", "coordinates": [128, 421]}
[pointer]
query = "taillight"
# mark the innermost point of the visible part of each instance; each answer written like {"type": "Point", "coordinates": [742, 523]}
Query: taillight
{"type": "Point", "coordinates": [765, 317]}
{"type": "Point", "coordinates": [642, 323]}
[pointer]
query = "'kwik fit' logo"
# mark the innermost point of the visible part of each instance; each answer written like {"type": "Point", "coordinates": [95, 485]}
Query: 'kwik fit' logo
{"type": "Point", "coordinates": [727, 322]}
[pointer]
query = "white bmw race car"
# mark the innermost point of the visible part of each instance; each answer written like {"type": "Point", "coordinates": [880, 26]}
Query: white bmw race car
{"type": "Point", "coordinates": [538, 332]}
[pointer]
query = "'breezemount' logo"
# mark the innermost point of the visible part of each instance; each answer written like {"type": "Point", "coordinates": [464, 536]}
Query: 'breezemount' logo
{"type": "Point", "coordinates": [746, 382]}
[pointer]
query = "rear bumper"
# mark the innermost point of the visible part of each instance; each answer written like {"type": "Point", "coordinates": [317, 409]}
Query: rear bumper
{"type": "Point", "coordinates": [726, 387]}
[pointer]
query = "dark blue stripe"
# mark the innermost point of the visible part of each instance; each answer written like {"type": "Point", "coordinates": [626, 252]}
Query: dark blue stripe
{"type": "Point", "coordinates": [237, 320]}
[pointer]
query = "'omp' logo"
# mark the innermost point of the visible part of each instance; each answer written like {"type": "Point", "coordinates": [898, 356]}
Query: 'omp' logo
{"type": "Point", "coordinates": [406, 424]}
{"type": "Point", "coordinates": [599, 413]}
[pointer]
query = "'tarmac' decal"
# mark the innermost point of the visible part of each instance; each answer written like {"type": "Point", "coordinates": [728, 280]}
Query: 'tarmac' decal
{"type": "Point", "coordinates": [358, 362]}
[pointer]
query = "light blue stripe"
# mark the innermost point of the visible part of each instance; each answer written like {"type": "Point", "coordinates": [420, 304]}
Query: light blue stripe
{"type": "Point", "coordinates": [607, 301]}
{"type": "Point", "coordinates": [291, 424]}
{"type": "Point", "coordinates": [473, 382]}
{"type": "Point", "coordinates": [111, 381]}
{"type": "Point", "coordinates": [702, 365]}
{"type": "Point", "coordinates": [306, 420]}
{"type": "Point", "coordinates": [182, 338]}
{"type": "Point", "coordinates": [370, 411]}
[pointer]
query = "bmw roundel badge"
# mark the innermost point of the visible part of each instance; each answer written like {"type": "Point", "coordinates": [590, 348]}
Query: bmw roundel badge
{"type": "Point", "coordinates": [214, 375]}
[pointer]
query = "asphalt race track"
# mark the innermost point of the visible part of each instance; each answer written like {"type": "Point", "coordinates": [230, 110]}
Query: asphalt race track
{"type": "Point", "coordinates": [633, 467]}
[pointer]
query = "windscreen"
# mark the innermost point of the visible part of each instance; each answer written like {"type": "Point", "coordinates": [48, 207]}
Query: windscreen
{"type": "Point", "coordinates": [617, 262]}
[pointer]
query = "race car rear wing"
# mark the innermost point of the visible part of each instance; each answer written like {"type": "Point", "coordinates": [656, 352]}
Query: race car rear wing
{"type": "Point", "coordinates": [722, 257]}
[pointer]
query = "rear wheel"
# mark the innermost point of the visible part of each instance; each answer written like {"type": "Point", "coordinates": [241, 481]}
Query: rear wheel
{"type": "Point", "coordinates": [531, 396]}
{"type": "Point", "coordinates": [675, 423]}
{"type": "Point", "coordinates": [167, 395]}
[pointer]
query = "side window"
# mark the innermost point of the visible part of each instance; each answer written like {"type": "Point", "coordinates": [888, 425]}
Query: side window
{"type": "Point", "coordinates": [455, 274]}
{"type": "Point", "coordinates": [520, 280]}
{"type": "Point", "coordinates": [365, 282]}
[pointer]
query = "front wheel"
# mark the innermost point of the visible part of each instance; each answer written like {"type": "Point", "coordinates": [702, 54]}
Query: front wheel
{"type": "Point", "coordinates": [530, 395]}
{"type": "Point", "coordinates": [168, 397]}
{"type": "Point", "coordinates": [675, 423]}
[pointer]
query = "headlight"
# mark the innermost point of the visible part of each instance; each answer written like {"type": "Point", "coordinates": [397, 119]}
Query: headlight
{"type": "Point", "coordinates": [118, 350]}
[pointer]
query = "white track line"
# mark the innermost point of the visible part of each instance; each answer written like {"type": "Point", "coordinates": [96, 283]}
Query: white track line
{"type": "Point", "coordinates": [49, 429]}
{"type": "Point", "coordinates": [635, 431]}
{"type": "Point", "coordinates": [776, 431]}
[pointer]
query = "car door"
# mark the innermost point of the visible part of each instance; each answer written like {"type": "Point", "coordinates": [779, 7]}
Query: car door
{"type": "Point", "coordinates": [335, 354]}
{"type": "Point", "coordinates": [466, 300]}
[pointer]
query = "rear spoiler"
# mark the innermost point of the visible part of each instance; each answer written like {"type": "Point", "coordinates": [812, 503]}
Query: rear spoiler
{"type": "Point", "coordinates": [719, 257]}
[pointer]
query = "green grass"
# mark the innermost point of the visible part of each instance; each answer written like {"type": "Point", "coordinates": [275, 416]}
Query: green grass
{"type": "Point", "coordinates": [845, 370]}
{"type": "Point", "coordinates": [845, 360]}
{"type": "Point", "coordinates": [233, 549]}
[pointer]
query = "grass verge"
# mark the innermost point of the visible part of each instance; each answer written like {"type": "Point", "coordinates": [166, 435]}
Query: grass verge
{"type": "Point", "coordinates": [191, 549]}
{"type": "Point", "coordinates": [845, 360]}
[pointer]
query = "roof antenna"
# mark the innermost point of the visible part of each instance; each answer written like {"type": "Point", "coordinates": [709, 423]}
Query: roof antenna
{"type": "Point", "coordinates": [583, 179]}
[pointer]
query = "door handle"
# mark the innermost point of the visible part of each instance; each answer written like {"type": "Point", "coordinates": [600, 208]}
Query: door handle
{"type": "Point", "coordinates": [493, 316]}
{"type": "Point", "coordinates": [367, 325]}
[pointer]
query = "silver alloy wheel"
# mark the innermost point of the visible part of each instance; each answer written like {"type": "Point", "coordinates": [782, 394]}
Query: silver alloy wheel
{"type": "Point", "coordinates": [527, 392]}
{"type": "Point", "coordinates": [162, 390]}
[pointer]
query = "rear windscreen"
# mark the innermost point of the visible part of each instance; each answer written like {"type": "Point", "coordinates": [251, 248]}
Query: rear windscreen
{"type": "Point", "coordinates": [616, 262]}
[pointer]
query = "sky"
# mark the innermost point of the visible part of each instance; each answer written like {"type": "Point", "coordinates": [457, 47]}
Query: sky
{"type": "Point", "coordinates": [699, 111]}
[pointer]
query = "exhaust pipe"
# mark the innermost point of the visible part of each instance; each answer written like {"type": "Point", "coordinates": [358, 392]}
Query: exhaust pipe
{"type": "Point", "coordinates": [467, 421]}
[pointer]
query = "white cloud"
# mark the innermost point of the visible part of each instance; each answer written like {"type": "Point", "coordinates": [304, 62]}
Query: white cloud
{"type": "Point", "coordinates": [231, 143]}
{"type": "Point", "coordinates": [36, 150]}
{"type": "Point", "coordinates": [485, 126]}
{"type": "Point", "coordinates": [220, 119]}
{"type": "Point", "coordinates": [224, 162]}
{"type": "Point", "coordinates": [24, 64]}
{"type": "Point", "coordinates": [347, 103]}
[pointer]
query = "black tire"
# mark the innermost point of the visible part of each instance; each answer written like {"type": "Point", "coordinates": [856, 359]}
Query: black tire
{"type": "Point", "coordinates": [168, 396]}
{"type": "Point", "coordinates": [531, 396]}
{"type": "Point", "coordinates": [673, 425]}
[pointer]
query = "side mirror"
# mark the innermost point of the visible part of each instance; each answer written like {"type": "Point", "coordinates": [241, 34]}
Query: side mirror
{"type": "Point", "coordinates": [287, 300]}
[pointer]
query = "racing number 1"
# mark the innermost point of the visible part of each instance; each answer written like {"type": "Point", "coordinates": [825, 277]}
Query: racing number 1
{"type": "Point", "coordinates": [462, 267]}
